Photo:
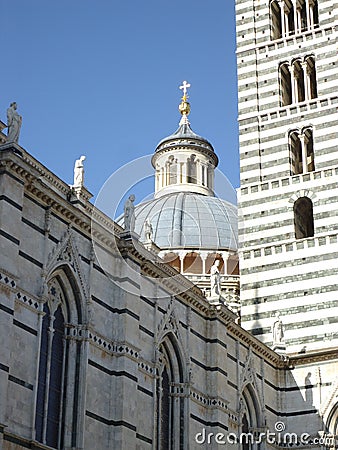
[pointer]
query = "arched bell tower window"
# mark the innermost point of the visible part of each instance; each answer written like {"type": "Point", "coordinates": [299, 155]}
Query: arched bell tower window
{"type": "Point", "coordinates": [276, 20]}
{"type": "Point", "coordinates": [299, 87]}
{"type": "Point", "coordinates": [303, 218]}
{"type": "Point", "coordinates": [301, 151]}
{"type": "Point", "coordinates": [298, 81]}
{"type": "Point", "coordinates": [311, 78]}
{"type": "Point", "coordinates": [286, 88]}
{"type": "Point", "coordinates": [170, 397]}
{"type": "Point", "coordinates": [288, 17]}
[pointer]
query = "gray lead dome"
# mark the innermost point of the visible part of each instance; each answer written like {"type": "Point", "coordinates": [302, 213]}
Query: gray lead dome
{"type": "Point", "coordinates": [189, 220]}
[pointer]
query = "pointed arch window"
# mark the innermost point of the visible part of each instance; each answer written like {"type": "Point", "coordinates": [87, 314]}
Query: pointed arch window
{"type": "Point", "coordinates": [245, 432]}
{"type": "Point", "coordinates": [303, 218]}
{"type": "Point", "coordinates": [251, 417]}
{"type": "Point", "coordinates": [332, 421]}
{"type": "Point", "coordinates": [59, 376]}
{"type": "Point", "coordinates": [49, 422]}
{"type": "Point", "coordinates": [170, 398]}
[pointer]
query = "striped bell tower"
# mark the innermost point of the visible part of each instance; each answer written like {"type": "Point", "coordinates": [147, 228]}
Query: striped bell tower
{"type": "Point", "coordinates": [288, 198]}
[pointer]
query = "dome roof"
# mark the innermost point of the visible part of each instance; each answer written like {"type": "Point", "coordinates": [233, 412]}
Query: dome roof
{"type": "Point", "coordinates": [189, 220]}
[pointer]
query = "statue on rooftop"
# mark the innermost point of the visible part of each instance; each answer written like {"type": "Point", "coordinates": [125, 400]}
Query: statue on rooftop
{"type": "Point", "coordinates": [79, 172]}
{"type": "Point", "coordinates": [215, 280]}
{"type": "Point", "coordinates": [148, 230]}
{"type": "Point", "coordinates": [129, 213]}
{"type": "Point", "coordinates": [14, 121]}
{"type": "Point", "coordinates": [278, 330]}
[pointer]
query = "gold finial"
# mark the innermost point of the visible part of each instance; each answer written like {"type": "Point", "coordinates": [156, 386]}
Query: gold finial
{"type": "Point", "coordinates": [184, 106]}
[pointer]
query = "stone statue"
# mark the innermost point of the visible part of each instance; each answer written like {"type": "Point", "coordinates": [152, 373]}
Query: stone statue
{"type": "Point", "coordinates": [278, 330]}
{"type": "Point", "coordinates": [215, 280]}
{"type": "Point", "coordinates": [14, 121]}
{"type": "Point", "coordinates": [79, 172]}
{"type": "Point", "coordinates": [129, 213]}
{"type": "Point", "coordinates": [148, 230]}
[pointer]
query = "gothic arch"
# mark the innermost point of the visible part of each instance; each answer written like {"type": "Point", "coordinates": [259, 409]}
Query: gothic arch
{"type": "Point", "coordinates": [61, 365]}
{"type": "Point", "coordinates": [69, 284]}
{"type": "Point", "coordinates": [332, 421]}
{"type": "Point", "coordinates": [252, 406]}
{"type": "Point", "coordinates": [170, 395]}
{"type": "Point", "coordinates": [64, 262]}
{"type": "Point", "coordinates": [250, 416]}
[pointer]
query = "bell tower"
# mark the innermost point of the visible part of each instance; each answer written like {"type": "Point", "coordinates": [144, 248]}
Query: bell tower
{"type": "Point", "coordinates": [288, 199]}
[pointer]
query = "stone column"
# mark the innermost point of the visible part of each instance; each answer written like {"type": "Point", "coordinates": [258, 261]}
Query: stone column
{"type": "Point", "coordinates": [162, 177]}
{"type": "Point", "coordinates": [199, 169]}
{"type": "Point", "coordinates": [294, 96]}
{"type": "Point", "coordinates": [307, 14]}
{"type": "Point", "coordinates": [181, 256]}
{"type": "Point", "coordinates": [304, 157]}
{"type": "Point", "coordinates": [47, 381]}
{"type": "Point", "coordinates": [157, 180]}
{"type": "Point", "coordinates": [307, 81]}
{"type": "Point", "coordinates": [282, 14]}
{"type": "Point", "coordinates": [203, 256]}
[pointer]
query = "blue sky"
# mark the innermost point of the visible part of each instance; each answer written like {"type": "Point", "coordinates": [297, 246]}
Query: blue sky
{"type": "Point", "coordinates": [101, 77]}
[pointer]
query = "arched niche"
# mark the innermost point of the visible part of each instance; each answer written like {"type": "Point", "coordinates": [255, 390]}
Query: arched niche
{"type": "Point", "coordinates": [233, 265]}
{"type": "Point", "coordinates": [192, 263]}
{"type": "Point", "coordinates": [173, 260]}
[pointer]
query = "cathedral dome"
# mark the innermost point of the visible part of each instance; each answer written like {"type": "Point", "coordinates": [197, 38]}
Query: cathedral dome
{"type": "Point", "coordinates": [189, 220]}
